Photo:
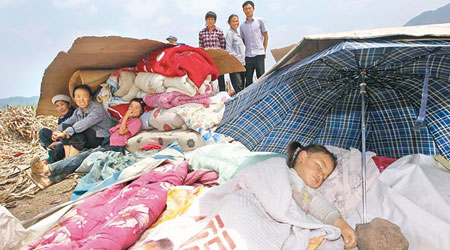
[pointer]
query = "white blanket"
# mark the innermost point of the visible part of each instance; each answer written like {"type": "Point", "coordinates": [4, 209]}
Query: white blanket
{"type": "Point", "coordinates": [254, 210]}
{"type": "Point", "coordinates": [413, 193]}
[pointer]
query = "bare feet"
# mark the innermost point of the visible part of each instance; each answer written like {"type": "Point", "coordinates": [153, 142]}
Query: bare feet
{"type": "Point", "coordinates": [38, 167]}
{"type": "Point", "coordinates": [40, 181]}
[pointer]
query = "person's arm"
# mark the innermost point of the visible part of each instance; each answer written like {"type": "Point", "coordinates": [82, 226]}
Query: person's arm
{"type": "Point", "coordinates": [322, 210]}
{"type": "Point", "coordinates": [94, 117]}
{"type": "Point", "coordinates": [200, 40]}
{"type": "Point", "coordinates": [266, 40]}
{"type": "Point", "coordinates": [134, 126]}
{"type": "Point", "coordinates": [264, 32]}
{"type": "Point", "coordinates": [347, 232]}
{"type": "Point", "coordinates": [222, 40]}
{"type": "Point", "coordinates": [242, 35]}
{"type": "Point", "coordinates": [229, 42]}
{"type": "Point", "coordinates": [70, 121]}
{"type": "Point", "coordinates": [123, 130]}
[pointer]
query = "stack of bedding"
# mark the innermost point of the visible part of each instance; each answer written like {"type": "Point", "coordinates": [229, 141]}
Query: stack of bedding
{"type": "Point", "coordinates": [175, 84]}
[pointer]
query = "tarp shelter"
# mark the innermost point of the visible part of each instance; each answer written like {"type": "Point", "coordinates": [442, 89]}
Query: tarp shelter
{"type": "Point", "coordinates": [314, 97]}
{"type": "Point", "coordinates": [108, 53]}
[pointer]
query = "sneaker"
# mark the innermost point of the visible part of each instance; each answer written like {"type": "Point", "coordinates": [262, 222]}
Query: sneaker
{"type": "Point", "coordinates": [37, 166]}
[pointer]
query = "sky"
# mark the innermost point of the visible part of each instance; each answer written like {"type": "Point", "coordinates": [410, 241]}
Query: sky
{"type": "Point", "coordinates": [33, 32]}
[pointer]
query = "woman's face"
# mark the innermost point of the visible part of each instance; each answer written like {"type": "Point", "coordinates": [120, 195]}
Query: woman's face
{"type": "Point", "coordinates": [210, 21]}
{"type": "Point", "coordinates": [82, 98]}
{"type": "Point", "coordinates": [313, 168]}
{"type": "Point", "coordinates": [135, 109]}
{"type": "Point", "coordinates": [62, 107]}
{"type": "Point", "coordinates": [234, 22]}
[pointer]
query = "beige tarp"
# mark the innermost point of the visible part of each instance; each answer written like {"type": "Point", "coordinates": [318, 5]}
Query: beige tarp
{"type": "Point", "coordinates": [312, 44]}
{"type": "Point", "coordinates": [107, 53]}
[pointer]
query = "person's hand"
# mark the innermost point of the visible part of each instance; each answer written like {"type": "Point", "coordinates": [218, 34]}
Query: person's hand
{"type": "Point", "coordinates": [52, 146]}
{"type": "Point", "coordinates": [58, 135]}
{"type": "Point", "coordinates": [128, 114]}
{"type": "Point", "coordinates": [347, 232]}
{"type": "Point", "coordinates": [55, 135]}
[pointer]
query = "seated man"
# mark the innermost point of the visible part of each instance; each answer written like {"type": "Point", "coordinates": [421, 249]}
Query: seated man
{"type": "Point", "coordinates": [45, 175]}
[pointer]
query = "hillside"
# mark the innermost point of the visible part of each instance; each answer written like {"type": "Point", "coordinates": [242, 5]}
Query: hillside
{"type": "Point", "coordinates": [19, 101]}
{"type": "Point", "coordinates": [441, 15]}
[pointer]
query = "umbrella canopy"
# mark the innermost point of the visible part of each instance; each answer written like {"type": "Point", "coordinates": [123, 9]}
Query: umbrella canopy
{"type": "Point", "coordinates": [317, 100]}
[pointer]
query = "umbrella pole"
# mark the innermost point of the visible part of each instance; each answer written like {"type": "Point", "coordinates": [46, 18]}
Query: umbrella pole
{"type": "Point", "coordinates": [363, 93]}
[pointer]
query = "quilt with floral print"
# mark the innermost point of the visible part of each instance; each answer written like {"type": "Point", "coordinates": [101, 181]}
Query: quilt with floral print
{"type": "Point", "coordinates": [116, 217]}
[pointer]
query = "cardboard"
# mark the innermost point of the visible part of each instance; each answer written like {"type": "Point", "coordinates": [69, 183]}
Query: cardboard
{"type": "Point", "coordinates": [108, 53]}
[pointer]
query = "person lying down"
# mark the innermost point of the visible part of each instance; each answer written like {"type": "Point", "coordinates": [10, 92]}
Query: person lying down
{"type": "Point", "coordinates": [308, 169]}
{"type": "Point", "coordinates": [271, 204]}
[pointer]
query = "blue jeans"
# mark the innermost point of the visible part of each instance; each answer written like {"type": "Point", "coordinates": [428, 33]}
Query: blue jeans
{"type": "Point", "coordinates": [238, 81]}
{"type": "Point", "coordinates": [252, 64]}
{"type": "Point", "coordinates": [61, 169]}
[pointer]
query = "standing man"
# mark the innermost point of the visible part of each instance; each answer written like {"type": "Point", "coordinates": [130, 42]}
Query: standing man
{"type": "Point", "coordinates": [254, 33]}
{"type": "Point", "coordinates": [212, 37]}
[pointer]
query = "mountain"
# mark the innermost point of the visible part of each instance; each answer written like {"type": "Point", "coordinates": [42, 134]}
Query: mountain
{"type": "Point", "coordinates": [19, 101]}
{"type": "Point", "coordinates": [441, 15]}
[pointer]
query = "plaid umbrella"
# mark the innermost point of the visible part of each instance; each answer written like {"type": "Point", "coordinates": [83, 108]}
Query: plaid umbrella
{"type": "Point", "coordinates": [318, 100]}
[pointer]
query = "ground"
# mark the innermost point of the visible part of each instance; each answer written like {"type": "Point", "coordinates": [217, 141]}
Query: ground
{"type": "Point", "coordinates": [27, 208]}
{"type": "Point", "coordinates": [19, 142]}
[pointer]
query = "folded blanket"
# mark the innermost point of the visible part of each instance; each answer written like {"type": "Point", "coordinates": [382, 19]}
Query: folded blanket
{"type": "Point", "coordinates": [179, 61]}
{"type": "Point", "coordinates": [153, 83]}
{"type": "Point", "coordinates": [167, 119]}
{"type": "Point", "coordinates": [121, 80]}
{"type": "Point", "coordinates": [172, 99]}
{"type": "Point", "coordinates": [150, 83]}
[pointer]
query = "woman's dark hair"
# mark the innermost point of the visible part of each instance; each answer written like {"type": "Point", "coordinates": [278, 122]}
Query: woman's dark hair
{"type": "Point", "coordinates": [231, 16]}
{"type": "Point", "coordinates": [140, 101]}
{"type": "Point", "coordinates": [294, 148]}
{"type": "Point", "coordinates": [248, 2]}
{"type": "Point", "coordinates": [211, 14]}
{"type": "Point", "coordinates": [82, 86]}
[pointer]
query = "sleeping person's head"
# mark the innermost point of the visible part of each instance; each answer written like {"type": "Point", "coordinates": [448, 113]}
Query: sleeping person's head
{"type": "Point", "coordinates": [313, 163]}
{"type": "Point", "coordinates": [136, 107]}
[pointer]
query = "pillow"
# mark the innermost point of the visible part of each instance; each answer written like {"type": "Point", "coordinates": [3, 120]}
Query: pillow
{"type": "Point", "coordinates": [118, 111]}
{"type": "Point", "coordinates": [126, 80]}
{"type": "Point", "coordinates": [165, 119]}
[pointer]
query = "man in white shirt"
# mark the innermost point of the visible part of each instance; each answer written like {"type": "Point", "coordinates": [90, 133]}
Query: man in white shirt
{"type": "Point", "coordinates": [254, 33]}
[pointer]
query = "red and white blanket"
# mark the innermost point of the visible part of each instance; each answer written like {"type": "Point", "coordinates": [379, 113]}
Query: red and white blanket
{"type": "Point", "coordinates": [179, 61]}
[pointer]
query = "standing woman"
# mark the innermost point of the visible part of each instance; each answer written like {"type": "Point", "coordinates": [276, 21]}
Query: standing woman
{"type": "Point", "coordinates": [212, 37]}
{"type": "Point", "coordinates": [236, 47]}
{"type": "Point", "coordinates": [88, 127]}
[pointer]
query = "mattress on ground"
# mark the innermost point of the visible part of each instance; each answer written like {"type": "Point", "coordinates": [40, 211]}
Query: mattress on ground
{"type": "Point", "coordinates": [188, 139]}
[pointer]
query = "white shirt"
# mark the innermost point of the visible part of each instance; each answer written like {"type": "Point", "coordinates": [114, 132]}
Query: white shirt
{"type": "Point", "coordinates": [235, 45]}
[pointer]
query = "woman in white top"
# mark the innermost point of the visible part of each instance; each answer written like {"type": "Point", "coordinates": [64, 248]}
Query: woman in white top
{"type": "Point", "coordinates": [236, 47]}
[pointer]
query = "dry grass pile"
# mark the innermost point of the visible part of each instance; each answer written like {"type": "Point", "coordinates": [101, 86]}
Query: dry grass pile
{"type": "Point", "coordinates": [19, 142]}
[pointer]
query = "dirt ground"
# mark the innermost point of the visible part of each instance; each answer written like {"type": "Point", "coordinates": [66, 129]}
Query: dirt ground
{"type": "Point", "coordinates": [43, 200]}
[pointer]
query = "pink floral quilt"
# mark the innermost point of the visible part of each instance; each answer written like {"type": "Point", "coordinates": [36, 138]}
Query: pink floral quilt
{"type": "Point", "coordinates": [116, 217]}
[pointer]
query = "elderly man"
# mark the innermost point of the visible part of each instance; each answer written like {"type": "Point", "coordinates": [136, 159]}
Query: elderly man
{"type": "Point", "coordinates": [254, 33]}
